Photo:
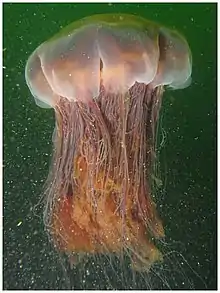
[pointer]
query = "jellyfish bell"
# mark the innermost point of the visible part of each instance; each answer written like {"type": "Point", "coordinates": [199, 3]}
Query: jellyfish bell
{"type": "Point", "coordinates": [70, 63]}
{"type": "Point", "coordinates": [104, 76]}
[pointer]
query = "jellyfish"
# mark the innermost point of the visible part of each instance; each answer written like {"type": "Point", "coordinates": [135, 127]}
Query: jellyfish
{"type": "Point", "coordinates": [105, 76]}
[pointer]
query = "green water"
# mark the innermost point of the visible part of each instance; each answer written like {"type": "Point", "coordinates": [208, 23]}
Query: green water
{"type": "Point", "coordinates": [188, 159]}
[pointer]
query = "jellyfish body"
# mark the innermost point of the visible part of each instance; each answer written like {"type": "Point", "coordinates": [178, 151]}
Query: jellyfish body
{"type": "Point", "coordinates": [104, 76]}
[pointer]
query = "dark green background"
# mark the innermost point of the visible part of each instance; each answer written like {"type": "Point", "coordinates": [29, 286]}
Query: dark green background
{"type": "Point", "coordinates": [188, 160]}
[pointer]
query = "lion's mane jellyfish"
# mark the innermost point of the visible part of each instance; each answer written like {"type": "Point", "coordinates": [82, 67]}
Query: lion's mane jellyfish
{"type": "Point", "coordinates": [104, 76]}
